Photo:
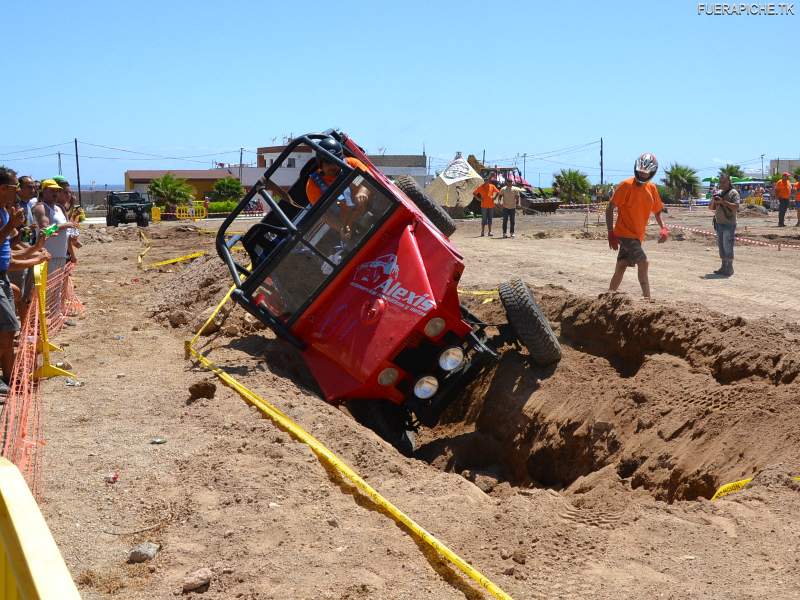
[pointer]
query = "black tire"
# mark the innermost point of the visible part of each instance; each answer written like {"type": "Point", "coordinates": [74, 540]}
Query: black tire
{"type": "Point", "coordinates": [390, 421]}
{"type": "Point", "coordinates": [529, 323]}
{"type": "Point", "coordinates": [110, 221]}
{"type": "Point", "coordinates": [428, 206]}
{"type": "Point", "coordinates": [143, 220]}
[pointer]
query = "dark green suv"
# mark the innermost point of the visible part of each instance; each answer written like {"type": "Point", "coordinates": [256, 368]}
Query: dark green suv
{"type": "Point", "coordinates": [127, 207]}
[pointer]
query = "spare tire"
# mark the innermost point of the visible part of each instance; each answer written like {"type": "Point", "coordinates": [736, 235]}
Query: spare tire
{"type": "Point", "coordinates": [529, 323]}
{"type": "Point", "coordinates": [427, 205]}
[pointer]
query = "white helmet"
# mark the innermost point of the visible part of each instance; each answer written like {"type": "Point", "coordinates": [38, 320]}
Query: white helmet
{"type": "Point", "coordinates": [645, 167]}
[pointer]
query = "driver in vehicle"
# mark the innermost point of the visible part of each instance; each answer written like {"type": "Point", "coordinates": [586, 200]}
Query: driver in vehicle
{"type": "Point", "coordinates": [352, 203]}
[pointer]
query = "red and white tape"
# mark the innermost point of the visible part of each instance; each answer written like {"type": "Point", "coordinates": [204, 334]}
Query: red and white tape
{"type": "Point", "coordinates": [740, 240]}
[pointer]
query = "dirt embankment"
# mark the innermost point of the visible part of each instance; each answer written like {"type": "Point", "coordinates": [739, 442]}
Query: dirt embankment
{"type": "Point", "coordinates": [677, 403]}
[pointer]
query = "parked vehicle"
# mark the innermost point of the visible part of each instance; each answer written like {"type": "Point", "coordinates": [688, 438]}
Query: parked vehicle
{"type": "Point", "coordinates": [127, 207]}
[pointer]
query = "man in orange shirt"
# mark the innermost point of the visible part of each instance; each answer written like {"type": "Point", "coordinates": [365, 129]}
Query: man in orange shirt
{"type": "Point", "coordinates": [353, 201]}
{"type": "Point", "coordinates": [783, 191]}
{"type": "Point", "coordinates": [635, 198]}
{"type": "Point", "coordinates": [487, 194]}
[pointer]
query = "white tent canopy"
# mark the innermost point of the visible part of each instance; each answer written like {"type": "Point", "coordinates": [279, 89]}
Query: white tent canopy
{"type": "Point", "coordinates": [454, 185]}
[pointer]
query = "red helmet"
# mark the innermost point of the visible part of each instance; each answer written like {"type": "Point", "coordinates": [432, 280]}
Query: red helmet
{"type": "Point", "coordinates": [645, 167]}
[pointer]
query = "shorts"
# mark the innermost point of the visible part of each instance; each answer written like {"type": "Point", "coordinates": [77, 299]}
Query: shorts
{"type": "Point", "coordinates": [631, 251]}
{"type": "Point", "coordinates": [8, 313]}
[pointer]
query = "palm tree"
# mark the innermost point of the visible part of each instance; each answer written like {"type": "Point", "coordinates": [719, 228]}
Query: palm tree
{"type": "Point", "coordinates": [732, 170]}
{"type": "Point", "coordinates": [572, 185]}
{"type": "Point", "coordinates": [682, 181]}
{"type": "Point", "coordinates": [170, 191]}
{"type": "Point", "coordinates": [796, 174]}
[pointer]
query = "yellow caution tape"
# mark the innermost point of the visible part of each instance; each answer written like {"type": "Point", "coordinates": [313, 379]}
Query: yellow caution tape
{"type": "Point", "coordinates": [479, 292]}
{"type": "Point", "coordinates": [729, 488]}
{"type": "Point", "coordinates": [176, 260]}
{"type": "Point", "coordinates": [329, 458]}
{"type": "Point", "coordinates": [146, 241]}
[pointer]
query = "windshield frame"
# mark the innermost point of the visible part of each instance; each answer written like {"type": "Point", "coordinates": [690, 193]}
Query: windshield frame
{"type": "Point", "coordinates": [308, 222]}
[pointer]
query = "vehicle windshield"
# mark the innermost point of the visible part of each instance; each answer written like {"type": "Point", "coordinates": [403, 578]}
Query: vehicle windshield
{"type": "Point", "coordinates": [126, 198]}
{"type": "Point", "coordinates": [348, 207]}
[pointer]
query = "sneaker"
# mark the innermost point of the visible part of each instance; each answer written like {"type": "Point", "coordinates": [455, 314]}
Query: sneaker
{"type": "Point", "coordinates": [4, 389]}
{"type": "Point", "coordinates": [490, 234]}
{"type": "Point", "coordinates": [482, 234]}
{"type": "Point", "coordinates": [512, 235]}
{"type": "Point", "coordinates": [504, 236]}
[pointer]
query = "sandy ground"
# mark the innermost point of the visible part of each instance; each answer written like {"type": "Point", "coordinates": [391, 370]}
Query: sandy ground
{"type": "Point", "coordinates": [589, 480]}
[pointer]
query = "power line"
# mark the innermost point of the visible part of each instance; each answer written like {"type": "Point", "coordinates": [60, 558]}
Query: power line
{"type": "Point", "coordinates": [29, 157]}
{"type": "Point", "coordinates": [34, 149]}
{"type": "Point", "coordinates": [162, 156]}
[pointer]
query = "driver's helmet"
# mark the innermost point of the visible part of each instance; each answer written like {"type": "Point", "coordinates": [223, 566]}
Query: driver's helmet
{"type": "Point", "coordinates": [332, 146]}
{"type": "Point", "coordinates": [645, 167]}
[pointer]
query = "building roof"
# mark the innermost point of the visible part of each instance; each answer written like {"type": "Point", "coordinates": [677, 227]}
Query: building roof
{"type": "Point", "coordinates": [279, 149]}
{"type": "Point", "coordinates": [399, 160]}
{"type": "Point", "coordinates": [187, 174]}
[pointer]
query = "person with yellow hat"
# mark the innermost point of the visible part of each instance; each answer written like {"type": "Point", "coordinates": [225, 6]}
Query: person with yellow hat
{"type": "Point", "coordinates": [47, 213]}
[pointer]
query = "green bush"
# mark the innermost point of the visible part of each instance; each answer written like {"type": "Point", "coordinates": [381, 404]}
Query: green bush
{"type": "Point", "coordinates": [225, 206]}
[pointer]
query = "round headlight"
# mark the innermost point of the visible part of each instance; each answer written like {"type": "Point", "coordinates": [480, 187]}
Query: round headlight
{"type": "Point", "coordinates": [434, 327]}
{"type": "Point", "coordinates": [426, 386]}
{"type": "Point", "coordinates": [451, 358]}
{"type": "Point", "coordinates": [388, 376]}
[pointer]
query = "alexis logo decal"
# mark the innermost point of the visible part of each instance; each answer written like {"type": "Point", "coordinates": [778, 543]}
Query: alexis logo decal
{"type": "Point", "coordinates": [381, 277]}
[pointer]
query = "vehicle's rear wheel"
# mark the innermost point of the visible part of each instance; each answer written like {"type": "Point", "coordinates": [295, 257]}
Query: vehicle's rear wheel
{"type": "Point", "coordinates": [529, 323]}
{"type": "Point", "coordinates": [388, 420]}
{"type": "Point", "coordinates": [427, 205]}
{"type": "Point", "coordinates": [143, 220]}
{"type": "Point", "coordinates": [110, 221]}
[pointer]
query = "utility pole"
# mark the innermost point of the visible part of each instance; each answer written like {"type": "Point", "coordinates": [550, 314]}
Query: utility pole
{"type": "Point", "coordinates": [78, 169]}
{"type": "Point", "coordinates": [59, 164]}
{"type": "Point", "coordinates": [483, 160]}
{"type": "Point", "coordinates": [524, 161]}
{"type": "Point", "coordinates": [601, 161]}
{"type": "Point", "coordinates": [762, 166]}
{"type": "Point", "coordinates": [240, 164]}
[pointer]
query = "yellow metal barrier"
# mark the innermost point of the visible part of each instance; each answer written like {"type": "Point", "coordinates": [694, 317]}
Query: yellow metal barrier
{"type": "Point", "coordinates": [194, 211]}
{"type": "Point", "coordinates": [330, 459]}
{"type": "Point", "coordinates": [155, 214]}
{"type": "Point", "coordinates": [43, 344]}
{"type": "Point", "coordinates": [31, 566]}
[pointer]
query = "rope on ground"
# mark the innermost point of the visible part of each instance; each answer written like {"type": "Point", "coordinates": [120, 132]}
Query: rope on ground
{"type": "Point", "coordinates": [730, 488]}
{"type": "Point", "coordinates": [330, 459]}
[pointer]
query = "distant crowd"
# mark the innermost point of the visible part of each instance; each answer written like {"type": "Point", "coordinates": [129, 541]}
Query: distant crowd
{"type": "Point", "coordinates": [38, 224]}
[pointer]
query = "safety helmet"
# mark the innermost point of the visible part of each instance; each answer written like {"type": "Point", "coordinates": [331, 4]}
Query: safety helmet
{"type": "Point", "coordinates": [645, 167]}
{"type": "Point", "coordinates": [332, 146]}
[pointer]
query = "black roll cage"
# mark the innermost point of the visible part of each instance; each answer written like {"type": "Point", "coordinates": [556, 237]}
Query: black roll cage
{"type": "Point", "coordinates": [288, 231]}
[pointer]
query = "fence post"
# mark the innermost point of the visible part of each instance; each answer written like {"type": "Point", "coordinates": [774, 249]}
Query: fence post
{"type": "Point", "coordinates": [43, 345]}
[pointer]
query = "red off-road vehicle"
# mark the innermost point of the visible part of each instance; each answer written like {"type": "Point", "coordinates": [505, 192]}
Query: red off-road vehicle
{"type": "Point", "coordinates": [368, 292]}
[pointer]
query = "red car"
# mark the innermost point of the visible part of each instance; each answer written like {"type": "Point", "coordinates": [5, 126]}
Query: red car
{"type": "Point", "coordinates": [364, 283]}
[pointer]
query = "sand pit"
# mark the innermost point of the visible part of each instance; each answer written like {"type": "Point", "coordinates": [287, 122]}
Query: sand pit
{"type": "Point", "coordinates": [676, 403]}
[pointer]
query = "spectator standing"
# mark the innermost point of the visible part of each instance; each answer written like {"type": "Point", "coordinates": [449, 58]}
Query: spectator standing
{"type": "Point", "coordinates": [783, 191]}
{"type": "Point", "coordinates": [11, 217]}
{"type": "Point", "coordinates": [725, 205]}
{"type": "Point", "coordinates": [635, 199]}
{"type": "Point", "coordinates": [797, 197]}
{"type": "Point", "coordinates": [510, 200]}
{"type": "Point", "coordinates": [487, 194]}
{"type": "Point", "coordinates": [47, 212]}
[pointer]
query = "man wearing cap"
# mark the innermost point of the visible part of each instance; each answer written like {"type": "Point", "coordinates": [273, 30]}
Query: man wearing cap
{"type": "Point", "coordinates": [46, 213]}
{"type": "Point", "coordinates": [783, 191]}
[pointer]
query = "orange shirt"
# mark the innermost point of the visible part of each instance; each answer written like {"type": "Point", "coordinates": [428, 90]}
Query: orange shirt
{"type": "Point", "coordinates": [797, 190]}
{"type": "Point", "coordinates": [634, 204]}
{"type": "Point", "coordinates": [487, 193]}
{"type": "Point", "coordinates": [783, 189]}
{"type": "Point", "coordinates": [313, 193]}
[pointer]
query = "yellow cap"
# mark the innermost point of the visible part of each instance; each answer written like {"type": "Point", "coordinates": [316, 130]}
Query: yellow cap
{"type": "Point", "coordinates": [50, 183]}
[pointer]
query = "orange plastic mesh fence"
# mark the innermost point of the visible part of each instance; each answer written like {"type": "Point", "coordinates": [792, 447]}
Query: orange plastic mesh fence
{"type": "Point", "coordinates": [21, 417]}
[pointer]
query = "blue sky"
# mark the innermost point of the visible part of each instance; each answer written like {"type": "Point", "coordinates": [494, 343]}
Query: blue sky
{"type": "Point", "coordinates": [197, 78]}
